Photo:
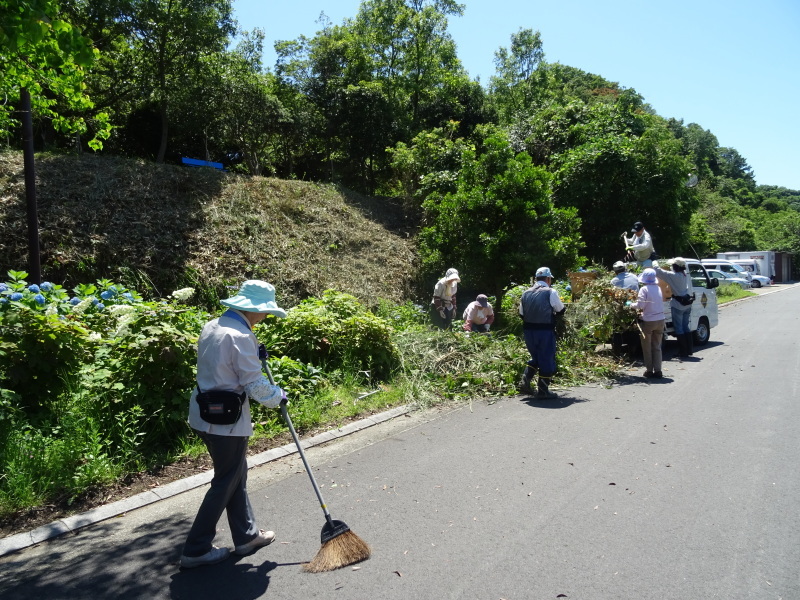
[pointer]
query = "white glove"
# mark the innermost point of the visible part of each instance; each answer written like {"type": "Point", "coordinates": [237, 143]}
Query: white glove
{"type": "Point", "coordinates": [655, 264]}
{"type": "Point", "coordinates": [263, 392]}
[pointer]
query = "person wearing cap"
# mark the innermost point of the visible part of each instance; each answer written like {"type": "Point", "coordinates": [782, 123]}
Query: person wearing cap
{"type": "Point", "coordinates": [651, 323]}
{"type": "Point", "coordinates": [680, 284]}
{"type": "Point", "coordinates": [640, 245]}
{"type": "Point", "coordinates": [538, 307]}
{"type": "Point", "coordinates": [444, 297]}
{"type": "Point", "coordinates": [622, 279]}
{"type": "Point", "coordinates": [228, 361]}
{"type": "Point", "coordinates": [478, 316]}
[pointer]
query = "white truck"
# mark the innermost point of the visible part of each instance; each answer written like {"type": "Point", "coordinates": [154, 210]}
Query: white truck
{"type": "Point", "coordinates": [763, 262]}
{"type": "Point", "coordinates": [705, 312]}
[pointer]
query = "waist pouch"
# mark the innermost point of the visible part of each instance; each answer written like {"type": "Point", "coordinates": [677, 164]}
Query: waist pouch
{"type": "Point", "coordinates": [220, 407]}
{"type": "Point", "coordinates": [685, 300]}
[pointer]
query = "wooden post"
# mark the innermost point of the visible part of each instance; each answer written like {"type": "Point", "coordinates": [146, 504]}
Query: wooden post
{"type": "Point", "coordinates": [34, 261]}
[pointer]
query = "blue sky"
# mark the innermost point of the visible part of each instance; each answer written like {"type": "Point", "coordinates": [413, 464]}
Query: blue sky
{"type": "Point", "coordinates": [733, 67]}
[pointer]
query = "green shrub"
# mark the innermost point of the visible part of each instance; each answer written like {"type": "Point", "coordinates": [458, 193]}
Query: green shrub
{"type": "Point", "coordinates": [333, 332]}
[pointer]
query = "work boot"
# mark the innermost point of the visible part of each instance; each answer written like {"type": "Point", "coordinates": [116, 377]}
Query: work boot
{"type": "Point", "coordinates": [689, 343]}
{"type": "Point", "coordinates": [683, 351]}
{"type": "Point", "coordinates": [543, 392]}
{"type": "Point", "coordinates": [525, 382]}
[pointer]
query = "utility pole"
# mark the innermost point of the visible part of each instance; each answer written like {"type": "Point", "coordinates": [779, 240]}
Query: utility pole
{"type": "Point", "coordinates": [34, 263]}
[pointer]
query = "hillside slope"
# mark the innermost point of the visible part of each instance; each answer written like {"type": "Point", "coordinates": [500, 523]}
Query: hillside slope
{"type": "Point", "coordinates": [163, 227]}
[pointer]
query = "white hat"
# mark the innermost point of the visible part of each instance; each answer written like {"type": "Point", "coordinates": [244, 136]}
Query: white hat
{"type": "Point", "coordinates": [678, 262]}
{"type": "Point", "coordinates": [255, 296]}
{"type": "Point", "coordinates": [451, 274]}
{"type": "Point", "coordinates": [618, 266]}
{"type": "Point", "coordinates": [543, 272]}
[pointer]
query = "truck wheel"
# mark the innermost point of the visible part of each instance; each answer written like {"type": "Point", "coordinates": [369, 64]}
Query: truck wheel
{"type": "Point", "coordinates": [702, 333]}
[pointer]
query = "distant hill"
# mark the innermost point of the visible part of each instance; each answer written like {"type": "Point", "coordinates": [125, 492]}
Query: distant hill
{"type": "Point", "coordinates": [157, 228]}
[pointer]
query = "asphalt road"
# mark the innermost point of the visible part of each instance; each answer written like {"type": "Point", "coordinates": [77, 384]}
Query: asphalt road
{"type": "Point", "coordinates": [684, 488]}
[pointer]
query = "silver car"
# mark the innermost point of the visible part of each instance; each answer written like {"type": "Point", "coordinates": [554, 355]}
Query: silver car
{"type": "Point", "coordinates": [728, 278]}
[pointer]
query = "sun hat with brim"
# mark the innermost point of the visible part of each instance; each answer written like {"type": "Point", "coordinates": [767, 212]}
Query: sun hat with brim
{"type": "Point", "coordinates": [648, 276]}
{"type": "Point", "coordinates": [255, 296]}
{"type": "Point", "coordinates": [452, 275]}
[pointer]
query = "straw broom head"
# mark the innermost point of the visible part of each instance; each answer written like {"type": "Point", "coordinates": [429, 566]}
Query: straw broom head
{"type": "Point", "coordinates": [340, 551]}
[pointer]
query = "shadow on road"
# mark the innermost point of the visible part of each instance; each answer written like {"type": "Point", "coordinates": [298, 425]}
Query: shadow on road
{"type": "Point", "coordinates": [563, 401]}
{"type": "Point", "coordinates": [96, 564]}
{"type": "Point", "coordinates": [216, 581]}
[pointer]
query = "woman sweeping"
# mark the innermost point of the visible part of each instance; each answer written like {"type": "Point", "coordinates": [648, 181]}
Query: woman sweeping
{"type": "Point", "coordinates": [228, 373]}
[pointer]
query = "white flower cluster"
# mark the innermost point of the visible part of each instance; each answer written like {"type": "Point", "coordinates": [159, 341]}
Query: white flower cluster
{"type": "Point", "coordinates": [81, 306]}
{"type": "Point", "coordinates": [118, 310]}
{"type": "Point", "coordinates": [183, 294]}
{"type": "Point", "coordinates": [123, 323]}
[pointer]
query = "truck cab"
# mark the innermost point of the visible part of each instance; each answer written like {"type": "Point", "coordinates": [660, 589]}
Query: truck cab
{"type": "Point", "coordinates": [705, 312]}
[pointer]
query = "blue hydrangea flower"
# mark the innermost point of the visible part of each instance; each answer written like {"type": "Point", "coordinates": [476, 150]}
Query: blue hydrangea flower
{"type": "Point", "coordinates": [95, 301]}
{"type": "Point", "coordinates": [33, 288]}
{"type": "Point", "coordinates": [74, 300]}
{"type": "Point", "coordinates": [107, 295]}
{"type": "Point", "coordinates": [39, 299]}
{"type": "Point", "coordinates": [47, 286]}
{"type": "Point", "coordinates": [16, 296]}
{"type": "Point", "coordinates": [99, 306]}
{"type": "Point", "coordinates": [3, 300]}
{"type": "Point", "coordinates": [3, 287]}
{"type": "Point", "coordinates": [128, 296]}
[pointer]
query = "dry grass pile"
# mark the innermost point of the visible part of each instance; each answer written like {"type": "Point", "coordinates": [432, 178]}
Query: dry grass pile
{"type": "Point", "coordinates": [135, 222]}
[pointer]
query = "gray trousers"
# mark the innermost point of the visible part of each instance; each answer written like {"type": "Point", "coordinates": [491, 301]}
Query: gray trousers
{"type": "Point", "coordinates": [228, 493]}
{"type": "Point", "coordinates": [651, 337]}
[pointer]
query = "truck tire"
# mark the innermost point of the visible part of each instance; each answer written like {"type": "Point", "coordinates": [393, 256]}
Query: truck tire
{"type": "Point", "coordinates": [702, 333]}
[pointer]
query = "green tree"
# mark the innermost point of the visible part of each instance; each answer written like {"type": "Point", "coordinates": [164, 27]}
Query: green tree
{"type": "Point", "coordinates": [43, 53]}
{"type": "Point", "coordinates": [518, 80]}
{"type": "Point", "coordinates": [169, 39]}
{"type": "Point", "coordinates": [495, 219]}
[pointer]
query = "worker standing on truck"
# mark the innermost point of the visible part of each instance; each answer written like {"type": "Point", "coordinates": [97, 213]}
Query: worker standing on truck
{"type": "Point", "coordinates": [640, 245]}
{"type": "Point", "coordinates": [680, 283]}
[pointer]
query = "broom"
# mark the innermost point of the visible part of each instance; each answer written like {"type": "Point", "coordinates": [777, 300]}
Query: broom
{"type": "Point", "coordinates": [339, 545]}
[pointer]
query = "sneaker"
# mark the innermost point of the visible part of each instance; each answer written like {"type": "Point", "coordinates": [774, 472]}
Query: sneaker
{"type": "Point", "coordinates": [264, 538]}
{"type": "Point", "coordinates": [211, 557]}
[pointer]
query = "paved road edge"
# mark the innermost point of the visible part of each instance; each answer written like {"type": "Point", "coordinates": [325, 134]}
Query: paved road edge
{"type": "Point", "coordinates": [19, 541]}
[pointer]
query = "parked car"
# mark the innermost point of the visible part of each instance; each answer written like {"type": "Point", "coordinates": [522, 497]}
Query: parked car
{"type": "Point", "coordinates": [759, 280]}
{"type": "Point", "coordinates": [729, 279]}
{"type": "Point", "coordinates": [727, 267]}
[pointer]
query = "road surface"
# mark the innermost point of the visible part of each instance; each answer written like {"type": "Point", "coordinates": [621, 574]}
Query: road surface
{"type": "Point", "coordinates": [682, 488]}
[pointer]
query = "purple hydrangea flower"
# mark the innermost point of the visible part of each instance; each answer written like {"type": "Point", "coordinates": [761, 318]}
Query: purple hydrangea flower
{"type": "Point", "coordinates": [33, 288]}
{"type": "Point", "coordinates": [47, 286]}
{"type": "Point", "coordinates": [16, 296]}
{"type": "Point", "coordinates": [39, 299]}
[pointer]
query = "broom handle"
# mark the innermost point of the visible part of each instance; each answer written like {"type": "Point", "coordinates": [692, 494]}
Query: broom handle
{"type": "Point", "coordinates": [286, 418]}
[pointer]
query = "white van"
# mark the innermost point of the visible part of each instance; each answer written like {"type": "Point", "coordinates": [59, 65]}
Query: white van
{"type": "Point", "coordinates": [705, 312]}
{"type": "Point", "coordinates": [728, 267]}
